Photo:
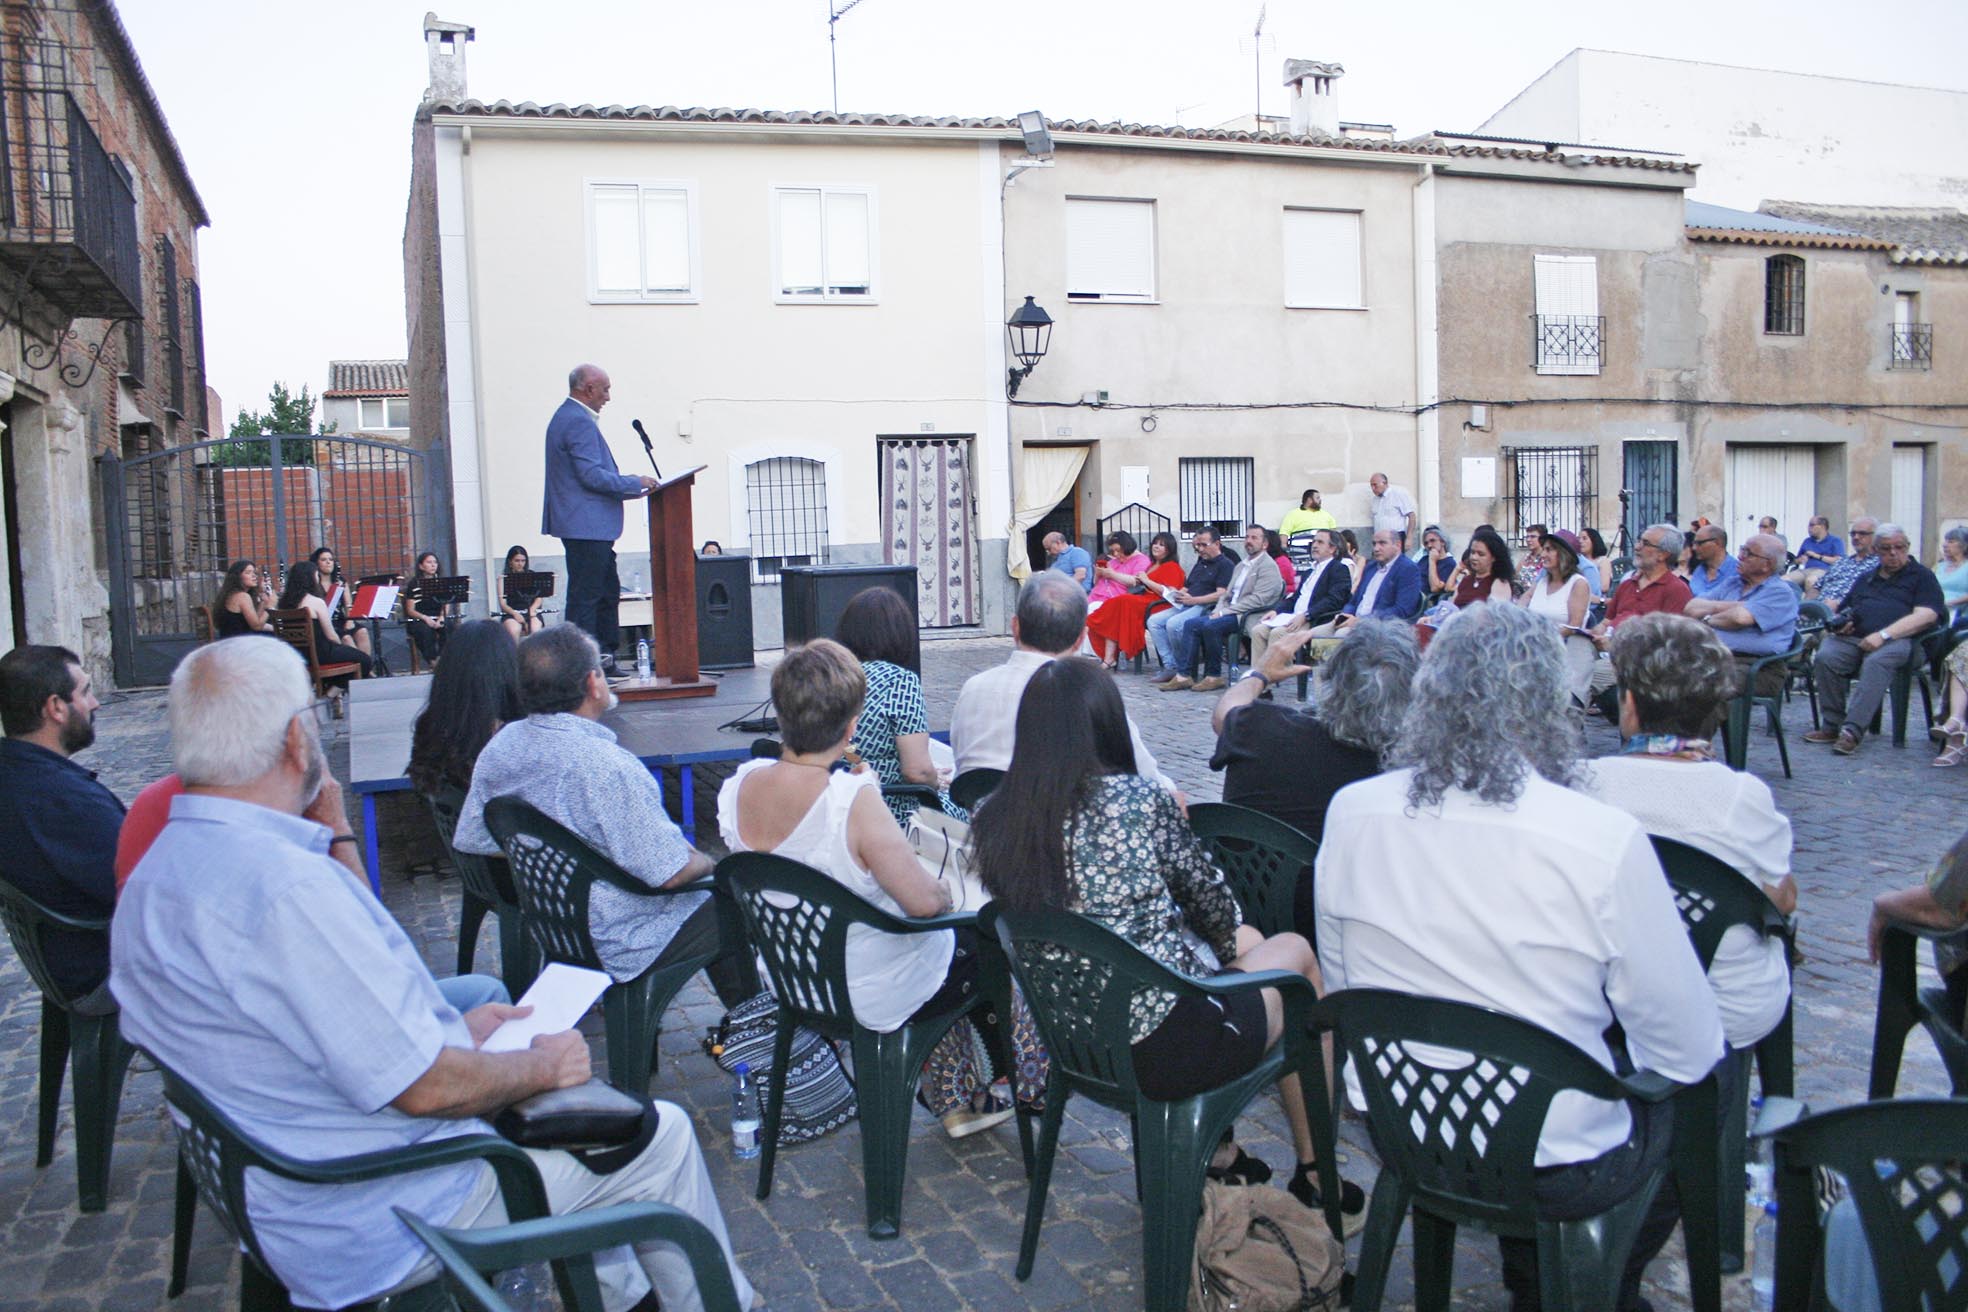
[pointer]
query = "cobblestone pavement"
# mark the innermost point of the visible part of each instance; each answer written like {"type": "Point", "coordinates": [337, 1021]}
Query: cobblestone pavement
{"type": "Point", "coordinates": [1862, 825]}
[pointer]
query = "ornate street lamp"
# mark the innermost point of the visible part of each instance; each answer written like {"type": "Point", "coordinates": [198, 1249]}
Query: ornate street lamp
{"type": "Point", "coordinates": [1030, 331]}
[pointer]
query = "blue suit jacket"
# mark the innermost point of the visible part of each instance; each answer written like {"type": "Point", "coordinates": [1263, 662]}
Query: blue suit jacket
{"type": "Point", "coordinates": [1329, 600]}
{"type": "Point", "coordinates": [1400, 598]}
{"type": "Point", "coordinates": [585, 491]}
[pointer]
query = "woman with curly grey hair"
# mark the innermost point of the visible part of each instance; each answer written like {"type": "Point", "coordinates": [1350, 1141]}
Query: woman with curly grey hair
{"type": "Point", "coordinates": [1472, 872]}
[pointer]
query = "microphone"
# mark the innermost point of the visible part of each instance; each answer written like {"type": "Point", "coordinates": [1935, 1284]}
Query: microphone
{"type": "Point", "coordinates": [643, 433]}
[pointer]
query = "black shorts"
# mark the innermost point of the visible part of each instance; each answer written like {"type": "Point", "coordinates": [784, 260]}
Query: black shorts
{"type": "Point", "coordinates": [1202, 1043]}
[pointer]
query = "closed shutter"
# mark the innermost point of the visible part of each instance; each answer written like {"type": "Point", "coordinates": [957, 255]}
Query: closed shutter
{"type": "Point", "coordinates": [1909, 504]}
{"type": "Point", "coordinates": [1322, 259]}
{"type": "Point", "coordinates": [666, 243]}
{"type": "Point", "coordinates": [1110, 250]}
{"type": "Point", "coordinates": [848, 265]}
{"type": "Point", "coordinates": [617, 247]}
{"type": "Point", "coordinates": [1567, 288]}
{"type": "Point", "coordinates": [800, 258]}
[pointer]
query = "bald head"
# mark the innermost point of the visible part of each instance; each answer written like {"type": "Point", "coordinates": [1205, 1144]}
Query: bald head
{"type": "Point", "coordinates": [1759, 557]}
{"type": "Point", "coordinates": [1051, 614]}
{"type": "Point", "coordinates": [588, 384]}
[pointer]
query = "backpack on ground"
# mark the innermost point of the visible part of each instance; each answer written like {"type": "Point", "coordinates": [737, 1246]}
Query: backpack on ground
{"type": "Point", "coordinates": [819, 1094]}
{"type": "Point", "coordinates": [1258, 1249]}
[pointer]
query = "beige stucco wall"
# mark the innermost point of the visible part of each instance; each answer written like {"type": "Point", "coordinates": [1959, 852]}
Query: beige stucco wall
{"type": "Point", "coordinates": [1219, 331]}
{"type": "Point", "coordinates": [735, 377]}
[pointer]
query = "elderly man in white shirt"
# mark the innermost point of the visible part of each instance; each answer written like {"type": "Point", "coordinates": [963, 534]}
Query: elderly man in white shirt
{"type": "Point", "coordinates": [1473, 872]}
{"type": "Point", "coordinates": [1393, 509]}
{"type": "Point", "coordinates": [1048, 625]}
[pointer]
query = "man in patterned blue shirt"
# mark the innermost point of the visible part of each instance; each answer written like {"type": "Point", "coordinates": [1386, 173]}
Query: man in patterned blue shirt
{"type": "Point", "coordinates": [1836, 582]}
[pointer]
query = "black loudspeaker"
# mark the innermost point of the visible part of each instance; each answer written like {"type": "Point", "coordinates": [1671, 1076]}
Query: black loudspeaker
{"type": "Point", "coordinates": [812, 598]}
{"type": "Point", "coordinates": [724, 612]}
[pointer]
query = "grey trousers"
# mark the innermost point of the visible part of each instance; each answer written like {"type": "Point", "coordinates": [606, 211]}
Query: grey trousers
{"type": "Point", "coordinates": [1839, 660]}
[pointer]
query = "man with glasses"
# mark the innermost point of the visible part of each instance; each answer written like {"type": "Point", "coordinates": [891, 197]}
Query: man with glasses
{"type": "Point", "coordinates": [1886, 609]}
{"type": "Point", "coordinates": [1837, 581]}
{"type": "Point", "coordinates": [1209, 579]}
{"type": "Point", "coordinates": [1652, 587]}
{"type": "Point", "coordinates": [1713, 567]}
{"type": "Point", "coordinates": [1754, 612]}
{"type": "Point", "coordinates": [1818, 552]}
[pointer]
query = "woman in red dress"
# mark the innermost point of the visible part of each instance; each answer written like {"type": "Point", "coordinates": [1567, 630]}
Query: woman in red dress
{"type": "Point", "coordinates": [1119, 629]}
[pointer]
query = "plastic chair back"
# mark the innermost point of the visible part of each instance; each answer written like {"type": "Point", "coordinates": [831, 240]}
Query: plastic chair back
{"type": "Point", "coordinates": [487, 878]}
{"type": "Point", "coordinates": [974, 785]}
{"type": "Point", "coordinates": [554, 873]}
{"type": "Point", "coordinates": [28, 924]}
{"type": "Point", "coordinates": [1712, 896]}
{"type": "Point", "coordinates": [1261, 856]}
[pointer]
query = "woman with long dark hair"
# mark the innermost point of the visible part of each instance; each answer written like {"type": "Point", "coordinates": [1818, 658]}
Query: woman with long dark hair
{"type": "Point", "coordinates": [243, 602]}
{"type": "Point", "coordinates": [472, 695]}
{"type": "Point", "coordinates": [423, 613]}
{"type": "Point", "coordinates": [1119, 629]}
{"type": "Point", "coordinates": [330, 577]}
{"type": "Point", "coordinates": [303, 592]}
{"type": "Point", "coordinates": [1486, 571]}
{"type": "Point", "coordinates": [524, 617]}
{"type": "Point", "coordinates": [1074, 829]}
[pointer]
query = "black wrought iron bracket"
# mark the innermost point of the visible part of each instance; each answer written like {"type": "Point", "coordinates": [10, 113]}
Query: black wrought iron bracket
{"type": "Point", "coordinates": [78, 361]}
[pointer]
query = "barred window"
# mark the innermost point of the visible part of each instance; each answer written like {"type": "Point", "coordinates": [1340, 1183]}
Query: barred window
{"type": "Point", "coordinates": [786, 510]}
{"type": "Point", "coordinates": [1557, 486]}
{"type": "Point", "coordinates": [1783, 295]}
{"type": "Point", "coordinates": [1217, 492]}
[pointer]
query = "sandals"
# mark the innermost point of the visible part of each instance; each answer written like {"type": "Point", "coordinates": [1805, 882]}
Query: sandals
{"type": "Point", "coordinates": [1243, 1169]}
{"type": "Point", "coordinates": [1956, 753]}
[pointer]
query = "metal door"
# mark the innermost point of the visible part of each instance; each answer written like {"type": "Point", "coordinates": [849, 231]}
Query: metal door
{"type": "Point", "coordinates": [929, 520]}
{"type": "Point", "coordinates": [1648, 491]}
{"type": "Point", "coordinates": [1909, 502]}
{"type": "Point", "coordinates": [178, 517]}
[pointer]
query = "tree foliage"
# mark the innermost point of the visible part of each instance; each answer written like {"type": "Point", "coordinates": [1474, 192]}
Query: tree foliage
{"type": "Point", "coordinates": [286, 413]}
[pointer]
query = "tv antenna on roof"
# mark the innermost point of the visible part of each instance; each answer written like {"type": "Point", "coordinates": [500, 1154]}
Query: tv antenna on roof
{"type": "Point", "coordinates": [1259, 44]}
{"type": "Point", "coordinates": [834, 17]}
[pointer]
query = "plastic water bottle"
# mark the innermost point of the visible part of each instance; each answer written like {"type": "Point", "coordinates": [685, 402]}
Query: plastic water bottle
{"type": "Point", "coordinates": [642, 658]}
{"type": "Point", "coordinates": [528, 1288]}
{"type": "Point", "coordinates": [744, 1115]}
{"type": "Point", "coordinates": [1763, 1271]}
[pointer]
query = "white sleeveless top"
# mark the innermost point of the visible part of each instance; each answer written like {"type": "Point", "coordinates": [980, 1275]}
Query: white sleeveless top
{"type": "Point", "coordinates": [1557, 605]}
{"type": "Point", "coordinates": [888, 975]}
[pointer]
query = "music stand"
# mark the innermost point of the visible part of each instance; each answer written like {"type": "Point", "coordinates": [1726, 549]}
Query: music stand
{"type": "Point", "coordinates": [455, 591]}
{"type": "Point", "coordinates": [374, 623]}
{"type": "Point", "coordinates": [527, 587]}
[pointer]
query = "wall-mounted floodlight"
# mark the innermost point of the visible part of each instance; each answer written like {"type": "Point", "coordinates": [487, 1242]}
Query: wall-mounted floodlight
{"type": "Point", "coordinates": [1038, 141]}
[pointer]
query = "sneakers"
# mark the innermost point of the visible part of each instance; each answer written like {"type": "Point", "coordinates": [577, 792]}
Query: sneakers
{"type": "Point", "coordinates": [1213, 683]}
{"type": "Point", "coordinates": [1848, 742]}
{"type": "Point", "coordinates": [1352, 1199]}
{"type": "Point", "coordinates": [1177, 684]}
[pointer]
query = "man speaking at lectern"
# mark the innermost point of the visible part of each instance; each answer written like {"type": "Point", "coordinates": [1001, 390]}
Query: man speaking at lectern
{"type": "Point", "coordinates": [583, 507]}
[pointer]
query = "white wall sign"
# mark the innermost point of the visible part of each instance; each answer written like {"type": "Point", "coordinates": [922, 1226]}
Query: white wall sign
{"type": "Point", "coordinates": [1134, 484]}
{"type": "Point", "coordinates": [1479, 477]}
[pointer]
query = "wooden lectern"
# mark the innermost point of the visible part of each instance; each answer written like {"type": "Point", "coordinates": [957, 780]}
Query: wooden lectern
{"type": "Point", "coordinates": [672, 597]}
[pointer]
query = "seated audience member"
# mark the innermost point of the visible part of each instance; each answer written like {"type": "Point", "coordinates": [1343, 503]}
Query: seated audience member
{"type": "Point", "coordinates": [1046, 627]}
{"type": "Point", "coordinates": [1311, 514]}
{"type": "Point", "coordinates": [1562, 596]}
{"type": "Point", "coordinates": [1288, 761]}
{"type": "Point", "coordinates": [473, 695]}
{"type": "Point", "coordinates": [1940, 901]}
{"type": "Point", "coordinates": [1437, 561]}
{"type": "Point", "coordinates": [1768, 524]}
{"type": "Point", "coordinates": [1390, 588]}
{"type": "Point", "coordinates": [1675, 683]}
{"type": "Point", "coordinates": [1209, 579]}
{"type": "Point", "coordinates": [1274, 547]}
{"type": "Point", "coordinates": [1601, 561]}
{"type": "Point", "coordinates": [1818, 552]}
{"type": "Point", "coordinates": [1754, 612]}
{"type": "Point", "coordinates": [1472, 857]}
{"type": "Point", "coordinates": [710, 548]}
{"type": "Point", "coordinates": [1952, 570]}
{"type": "Point", "coordinates": [800, 807]}
{"type": "Point", "coordinates": [1532, 568]}
{"type": "Point", "coordinates": [1873, 639]}
{"type": "Point", "coordinates": [1713, 567]}
{"type": "Point", "coordinates": [1072, 561]}
{"type": "Point", "coordinates": [1321, 595]}
{"type": "Point", "coordinates": [250, 958]}
{"type": "Point", "coordinates": [520, 617]}
{"type": "Point", "coordinates": [562, 761]}
{"type": "Point", "coordinates": [1254, 589]}
{"type": "Point", "coordinates": [150, 811]}
{"type": "Point", "coordinates": [1122, 569]}
{"type": "Point", "coordinates": [1861, 560]}
{"type": "Point", "coordinates": [892, 735]}
{"type": "Point", "coordinates": [1119, 629]}
{"type": "Point", "coordinates": [1486, 571]}
{"type": "Point", "coordinates": [423, 612]}
{"type": "Point", "coordinates": [1073, 828]}
{"type": "Point", "coordinates": [1350, 553]}
{"type": "Point", "coordinates": [243, 602]}
{"type": "Point", "coordinates": [58, 825]}
{"type": "Point", "coordinates": [1652, 587]}
{"type": "Point", "coordinates": [303, 592]}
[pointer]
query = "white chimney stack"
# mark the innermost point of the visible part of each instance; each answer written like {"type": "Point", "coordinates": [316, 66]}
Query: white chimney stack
{"type": "Point", "coordinates": [1314, 98]}
{"type": "Point", "coordinates": [444, 43]}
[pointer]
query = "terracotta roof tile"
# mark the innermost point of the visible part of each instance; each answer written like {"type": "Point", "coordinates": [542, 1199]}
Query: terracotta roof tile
{"type": "Point", "coordinates": [1917, 234]}
{"type": "Point", "coordinates": [368, 378]}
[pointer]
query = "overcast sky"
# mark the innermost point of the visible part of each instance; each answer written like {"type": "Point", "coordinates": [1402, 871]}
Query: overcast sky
{"type": "Point", "coordinates": [295, 118]}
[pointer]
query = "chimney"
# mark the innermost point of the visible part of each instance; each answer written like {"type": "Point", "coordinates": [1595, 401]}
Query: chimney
{"type": "Point", "coordinates": [1314, 100]}
{"type": "Point", "coordinates": [445, 44]}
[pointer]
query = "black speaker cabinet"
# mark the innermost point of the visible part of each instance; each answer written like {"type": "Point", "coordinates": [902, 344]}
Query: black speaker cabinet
{"type": "Point", "coordinates": [724, 612]}
{"type": "Point", "coordinates": [812, 598]}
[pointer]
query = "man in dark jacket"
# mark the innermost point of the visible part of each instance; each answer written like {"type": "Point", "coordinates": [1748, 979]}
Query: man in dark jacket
{"type": "Point", "coordinates": [1390, 588]}
{"type": "Point", "coordinates": [582, 506]}
{"type": "Point", "coordinates": [1874, 639]}
{"type": "Point", "coordinates": [1323, 591]}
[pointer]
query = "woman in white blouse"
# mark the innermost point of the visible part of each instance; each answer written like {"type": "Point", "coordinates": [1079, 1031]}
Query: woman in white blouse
{"type": "Point", "coordinates": [1563, 596]}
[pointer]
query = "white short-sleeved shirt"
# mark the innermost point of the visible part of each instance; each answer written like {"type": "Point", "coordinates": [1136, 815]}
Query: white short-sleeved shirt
{"type": "Point", "coordinates": [1392, 508]}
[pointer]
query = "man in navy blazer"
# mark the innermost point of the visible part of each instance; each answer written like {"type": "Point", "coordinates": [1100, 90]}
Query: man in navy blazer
{"type": "Point", "coordinates": [583, 506]}
{"type": "Point", "coordinates": [1390, 588]}
{"type": "Point", "coordinates": [1323, 591]}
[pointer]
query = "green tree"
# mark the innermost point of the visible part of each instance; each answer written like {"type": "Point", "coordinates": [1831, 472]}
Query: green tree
{"type": "Point", "coordinates": [285, 413]}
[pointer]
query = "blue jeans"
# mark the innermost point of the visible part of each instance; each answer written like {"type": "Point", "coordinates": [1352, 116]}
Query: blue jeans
{"type": "Point", "coordinates": [464, 992]}
{"type": "Point", "coordinates": [1213, 632]}
{"type": "Point", "coordinates": [1166, 629]}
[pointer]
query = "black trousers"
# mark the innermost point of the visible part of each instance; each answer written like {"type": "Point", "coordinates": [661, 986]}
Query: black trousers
{"type": "Point", "coordinates": [731, 975]}
{"type": "Point", "coordinates": [594, 590]}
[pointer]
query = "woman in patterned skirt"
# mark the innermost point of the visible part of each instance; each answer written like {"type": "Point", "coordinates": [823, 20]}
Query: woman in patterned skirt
{"type": "Point", "coordinates": [893, 736]}
{"type": "Point", "coordinates": [1119, 629]}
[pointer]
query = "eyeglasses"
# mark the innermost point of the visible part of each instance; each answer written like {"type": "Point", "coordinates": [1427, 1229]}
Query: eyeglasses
{"type": "Point", "coordinates": [322, 709]}
{"type": "Point", "coordinates": [1861, 532]}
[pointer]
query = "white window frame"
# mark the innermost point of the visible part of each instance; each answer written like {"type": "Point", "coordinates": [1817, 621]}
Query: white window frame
{"type": "Point", "coordinates": [1154, 293]}
{"type": "Point", "coordinates": [826, 297]}
{"type": "Point", "coordinates": [384, 401]}
{"type": "Point", "coordinates": [596, 296]}
{"type": "Point", "coordinates": [1359, 257]}
{"type": "Point", "coordinates": [1580, 365]}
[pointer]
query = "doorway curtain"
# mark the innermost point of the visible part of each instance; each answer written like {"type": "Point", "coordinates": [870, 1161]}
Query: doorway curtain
{"type": "Point", "coordinates": [1046, 476]}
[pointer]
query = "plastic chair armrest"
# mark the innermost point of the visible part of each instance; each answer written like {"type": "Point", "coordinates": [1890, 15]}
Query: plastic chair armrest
{"type": "Point", "coordinates": [1650, 1086]}
{"type": "Point", "coordinates": [1927, 932]}
{"type": "Point", "coordinates": [519, 1179]}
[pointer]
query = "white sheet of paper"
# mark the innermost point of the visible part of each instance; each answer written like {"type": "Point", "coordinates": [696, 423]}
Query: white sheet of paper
{"type": "Point", "coordinates": [1279, 620]}
{"type": "Point", "coordinates": [559, 998]}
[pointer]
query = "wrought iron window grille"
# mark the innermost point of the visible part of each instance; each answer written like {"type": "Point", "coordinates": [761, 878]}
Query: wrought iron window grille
{"type": "Point", "coordinates": [1218, 492]}
{"type": "Point", "coordinates": [786, 512]}
{"type": "Point", "coordinates": [1568, 341]}
{"type": "Point", "coordinates": [1557, 486]}
{"type": "Point", "coordinates": [1912, 346]}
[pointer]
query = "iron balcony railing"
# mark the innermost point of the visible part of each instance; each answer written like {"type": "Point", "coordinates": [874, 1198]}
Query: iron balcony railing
{"type": "Point", "coordinates": [1569, 343]}
{"type": "Point", "coordinates": [71, 217]}
{"type": "Point", "coordinates": [1912, 346]}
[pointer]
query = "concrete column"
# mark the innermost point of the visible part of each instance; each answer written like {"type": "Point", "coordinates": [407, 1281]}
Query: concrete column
{"type": "Point", "coordinates": [66, 602]}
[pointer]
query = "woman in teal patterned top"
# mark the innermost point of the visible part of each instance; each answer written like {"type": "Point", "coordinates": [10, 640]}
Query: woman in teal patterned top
{"type": "Point", "coordinates": [1073, 828]}
{"type": "Point", "coordinates": [893, 734]}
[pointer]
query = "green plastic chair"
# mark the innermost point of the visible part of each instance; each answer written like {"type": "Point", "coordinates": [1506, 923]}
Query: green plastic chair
{"type": "Point", "coordinates": [486, 886]}
{"type": "Point", "coordinates": [467, 1255]}
{"type": "Point", "coordinates": [974, 785]}
{"type": "Point", "coordinates": [1079, 979]}
{"type": "Point", "coordinates": [1904, 1004]}
{"type": "Point", "coordinates": [214, 1155]}
{"type": "Point", "coordinates": [1903, 1163]}
{"type": "Point", "coordinates": [1712, 896]}
{"type": "Point", "coordinates": [1458, 1144]}
{"type": "Point", "coordinates": [798, 918]}
{"type": "Point", "coordinates": [1812, 619]}
{"type": "Point", "coordinates": [554, 874]}
{"type": "Point", "coordinates": [1260, 856]}
{"type": "Point", "coordinates": [1742, 708]}
{"type": "Point", "coordinates": [92, 1044]}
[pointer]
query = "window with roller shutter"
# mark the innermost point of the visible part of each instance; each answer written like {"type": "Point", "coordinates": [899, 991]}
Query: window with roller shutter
{"type": "Point", "coordinates": [1568, 334]}
{"type": "Point", "coordinates": [642, 242]}
{"type": "Point", "coordinates": [824, 244]}
{"type": "Point", "coordinates": [1110, 250]}
{"type": "Point", "coordinates": [1322, 260]}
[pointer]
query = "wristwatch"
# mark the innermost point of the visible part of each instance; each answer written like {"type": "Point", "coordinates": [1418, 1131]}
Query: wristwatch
{"type": "Point", "coordinates": [1260, 676]}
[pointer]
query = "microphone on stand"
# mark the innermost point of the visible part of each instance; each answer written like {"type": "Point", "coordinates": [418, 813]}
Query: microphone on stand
{"type": "Point", "coordinates": [650, 450]}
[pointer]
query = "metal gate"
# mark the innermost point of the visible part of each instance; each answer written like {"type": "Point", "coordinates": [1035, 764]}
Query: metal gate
{"type": "Point", "coordinates": [176, 518]}
{"type": "Point", "coordinates": [1647, 490]}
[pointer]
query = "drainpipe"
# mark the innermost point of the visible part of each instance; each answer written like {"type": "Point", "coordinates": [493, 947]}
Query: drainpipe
{"type": "Point", "coordinates": [1428, 428]}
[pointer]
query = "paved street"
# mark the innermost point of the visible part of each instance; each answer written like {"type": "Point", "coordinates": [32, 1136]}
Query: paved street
{"type": "Point", "coordinates": [1861, 825]}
